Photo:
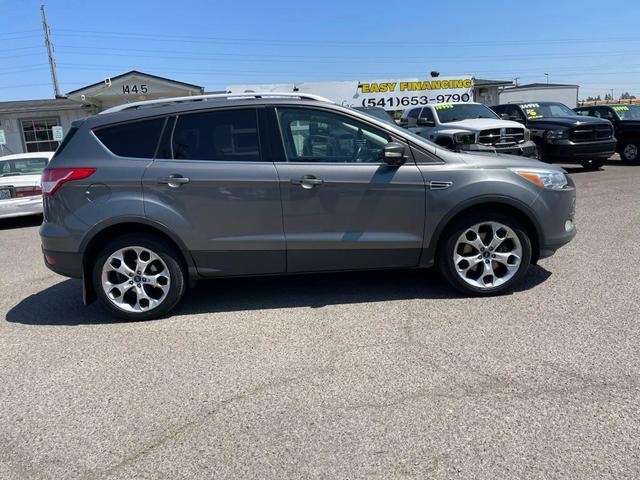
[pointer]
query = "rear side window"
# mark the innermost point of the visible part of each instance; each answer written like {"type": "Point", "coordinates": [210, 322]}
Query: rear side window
{"type": "Point", "coordinates": [134, 139]}
{"type": "Point", "coordinates": [227, 135]}
{"type": "Point", "coordinates": [415, 113]}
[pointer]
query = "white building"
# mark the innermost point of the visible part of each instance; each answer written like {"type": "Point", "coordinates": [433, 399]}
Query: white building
{"type": "Point", "coordinates": [541, 92]}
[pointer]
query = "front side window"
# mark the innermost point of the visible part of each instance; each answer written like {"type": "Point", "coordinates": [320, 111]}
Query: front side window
{"type": "Point", "coordinates": [38, 134]}
{"type": "Point", "coordinates": [604, 113]}
{"type": "Point", "coordinates": [513, 112]}
{"type": "Point", "coordinates": [427, 114]}
{"type": "Point", "coordinates": [137, 139]}
{"type": "Point", "coordinates": [415, 113]}
{"type": "Point", "coordinates": [319, 136]}
{"type": "Point", "coordinates": [225, 135]}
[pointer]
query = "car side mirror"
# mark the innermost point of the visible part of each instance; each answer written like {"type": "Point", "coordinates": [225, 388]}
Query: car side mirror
{"type": "Point", "coordinates": [423, 122]}
{"type": "Point", "coordinates": [505, 116]}
{"type": "Point", "coordinates": [394, 154]}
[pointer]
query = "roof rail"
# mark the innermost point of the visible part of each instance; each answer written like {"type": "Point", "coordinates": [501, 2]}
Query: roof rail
{"type": "Point", "coordinates": [204, 98]}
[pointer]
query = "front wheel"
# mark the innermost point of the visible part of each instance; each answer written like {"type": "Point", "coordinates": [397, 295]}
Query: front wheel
{"type": "Point", "coordinates": [139, 277]}
{"type": "Point", "coordinates": [483, 254]}
{"type": "Point", "coordinates": [629, 152]}
{"type": "Point", "coordinates": [593, 164]}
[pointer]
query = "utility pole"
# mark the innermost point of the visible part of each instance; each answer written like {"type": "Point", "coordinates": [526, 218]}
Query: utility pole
{"type": "Point", "coordinates": [547, 78]}
{"type": "Point", "coordinates": [52, 58]}
{"type": "Point", "coordinates": [516, 80]}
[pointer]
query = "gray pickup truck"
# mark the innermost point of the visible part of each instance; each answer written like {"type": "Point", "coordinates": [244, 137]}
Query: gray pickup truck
{"type": "Point", "coordinates": [469, 127]}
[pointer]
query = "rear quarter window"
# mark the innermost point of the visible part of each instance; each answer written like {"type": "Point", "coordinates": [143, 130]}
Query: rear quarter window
{"type": "Point", "coordinates": [66, 140]}
{"type": "Point", "coordinates": [137, 139]}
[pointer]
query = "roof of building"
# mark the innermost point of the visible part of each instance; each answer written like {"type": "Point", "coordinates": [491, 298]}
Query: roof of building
{"type": "Point", "coordinates": [543, 85]}
{"type": "Point", "coordinates": [44, 105]}
{"type": "Point", "coordinates": [137, 72]}
{"type": "Point", "coordinates": [480, 82]}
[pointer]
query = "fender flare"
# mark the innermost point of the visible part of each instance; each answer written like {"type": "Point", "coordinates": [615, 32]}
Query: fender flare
{"type": "Point", "coordinates": [434, 240]}
{"type": "Point", "coordinates": [88, 293]}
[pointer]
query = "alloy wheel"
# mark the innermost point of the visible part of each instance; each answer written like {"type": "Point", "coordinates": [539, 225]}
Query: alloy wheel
{"type": "Point", "coordinates": [487, 255]}
{"type": "Point", "coordinates": [630, 152]}
{"type": "Point", "coordinates": [135, 279]}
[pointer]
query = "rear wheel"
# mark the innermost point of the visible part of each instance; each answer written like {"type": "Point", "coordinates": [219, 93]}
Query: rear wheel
{"type": "Point", "coordinates": [593, 164]}
{"type": "Point", "coordinates": [485, 253]}
{"type": "Point", "coordinates": [630, 152]}
{"type": "Point", "coordinates": [139, 277]}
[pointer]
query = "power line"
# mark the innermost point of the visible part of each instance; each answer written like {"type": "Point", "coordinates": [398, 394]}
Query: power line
{"type": "Point", "coordinates": [318, 59]}
{"type": "Point", "coordinates": [19, 32]}
{"type": "Point", "coordinates": [200, 71]}
{"type": "Point", "coordinates": [324, 43]}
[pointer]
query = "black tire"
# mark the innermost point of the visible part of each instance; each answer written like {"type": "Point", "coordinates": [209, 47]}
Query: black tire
{"type": "Point", "coordinates": [447, 245]}
{"type": "Point", "coordinates": [169, 256]}
{"type": "Point", "coordinates": [540, 155]}
{"type": "Point", "coordinates": [626, 152]}
{"type": "Point", "coordinates": [593, 164]}
{"type": "Point", "coordinates": [536, 155]}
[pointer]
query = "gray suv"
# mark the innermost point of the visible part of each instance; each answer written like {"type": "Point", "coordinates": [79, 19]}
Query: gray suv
{"type": "Point", "coordinates": [146, 198]}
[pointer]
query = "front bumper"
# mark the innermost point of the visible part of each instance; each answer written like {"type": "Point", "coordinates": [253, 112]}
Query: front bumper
{"type": "Point", "coordinates": [525, 149]}
{"type": "Point", "coordinates": [556, 212]}
{"type": "Point", "coordinates": [567, 149]}
{"type": "Point", "coordinates": [18, 207]}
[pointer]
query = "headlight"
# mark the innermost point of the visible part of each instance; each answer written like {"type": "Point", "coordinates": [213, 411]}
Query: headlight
{"type": "Point", "coordinates": [464, 138]}
{"type": "Point", "coordinates": [557, 134]}
{"type": "Point", "coordinates": [551, 179]}
{"type": "Point", "coordinates": [527, 134]}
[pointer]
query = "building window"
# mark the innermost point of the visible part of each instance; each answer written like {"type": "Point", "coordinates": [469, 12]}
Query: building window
{"type": "Point", "coordinates": [38, 136]}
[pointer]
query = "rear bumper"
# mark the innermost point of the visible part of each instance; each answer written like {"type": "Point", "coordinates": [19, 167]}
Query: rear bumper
{"type": "Point", "coordinates": [584, 150]}
{"type": "Point", "coordinates": [18, 207]}
{"type": "Point", "coordinates": [63, 263]}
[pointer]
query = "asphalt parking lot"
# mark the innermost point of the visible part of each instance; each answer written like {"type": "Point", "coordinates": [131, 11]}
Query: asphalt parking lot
{"type": "Point", "coordinates": [364, 375]}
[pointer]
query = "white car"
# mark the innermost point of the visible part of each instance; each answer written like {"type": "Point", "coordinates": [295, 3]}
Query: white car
{"type": "Point", "coordinates": [20, 189]}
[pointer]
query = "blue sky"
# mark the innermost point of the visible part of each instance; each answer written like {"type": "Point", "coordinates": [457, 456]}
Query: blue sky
{"type": "Point", "coordinates": [215, 43]}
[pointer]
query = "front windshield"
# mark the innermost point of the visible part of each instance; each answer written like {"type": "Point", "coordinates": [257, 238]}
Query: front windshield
{"type": "Point", "coordinates": [452, 112]}
{"type": "Point", "coordinates": [546, 110]}
{"type": "Point", "coordinates": [627, 112]}
{"type": "Point", "coordinates": [22, 166]}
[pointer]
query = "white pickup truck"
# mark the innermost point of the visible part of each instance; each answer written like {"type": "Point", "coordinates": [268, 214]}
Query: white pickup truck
{"type": "Point", "coordinates": [469, 127]}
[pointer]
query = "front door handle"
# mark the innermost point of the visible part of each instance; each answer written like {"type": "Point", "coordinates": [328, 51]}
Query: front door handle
{"type": "Point", "coordinates": [174, 180]}
{"type": "Point", "coordinates": [308, 181]}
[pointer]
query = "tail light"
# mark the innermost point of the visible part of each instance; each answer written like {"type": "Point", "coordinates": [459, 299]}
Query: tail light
{"type": "Point", "coordinates": [54, 178]}
{"type": "Point", "coordinates": [28, 191]}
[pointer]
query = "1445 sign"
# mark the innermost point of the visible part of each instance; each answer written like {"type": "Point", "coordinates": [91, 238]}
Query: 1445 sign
{"type": "Point", "coordinates": [134, 89]}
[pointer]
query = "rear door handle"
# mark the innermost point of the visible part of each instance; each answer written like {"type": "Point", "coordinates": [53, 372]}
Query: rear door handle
{"type": "Point", "coordinates": [308, 181]}
{"type": "Point", "coordinates": [174, 180]}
